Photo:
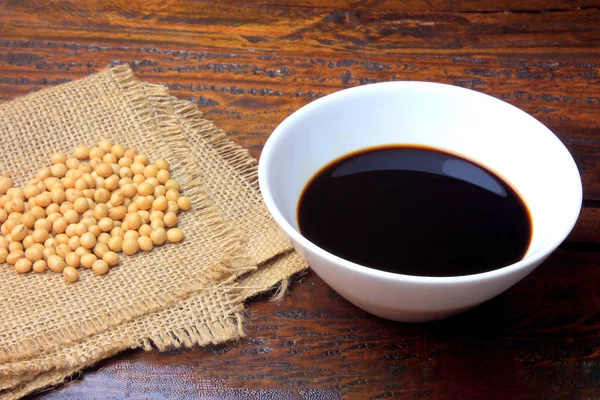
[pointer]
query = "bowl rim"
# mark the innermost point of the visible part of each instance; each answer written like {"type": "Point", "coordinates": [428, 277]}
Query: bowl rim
{"type": "Point", "coordinates": [280, 131]}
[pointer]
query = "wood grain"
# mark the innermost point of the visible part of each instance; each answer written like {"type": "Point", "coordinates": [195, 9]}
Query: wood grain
{"type": "Point", "coordinates": [247, 65]}
{"type": "Point", "coordinates": [538, 340]}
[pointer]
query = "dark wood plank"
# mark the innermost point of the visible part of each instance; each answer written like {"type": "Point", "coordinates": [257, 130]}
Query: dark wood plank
{"type": "Point", "coordinates": [537, 340]}
{"type": "Point", "coordinates": [588, 227]}
{"type": "Point", "coordinates": [245, 26]}
{"type": "Point", "coordinates": [248, 94]}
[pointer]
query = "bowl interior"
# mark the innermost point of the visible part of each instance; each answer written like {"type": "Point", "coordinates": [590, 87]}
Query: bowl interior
{"type": "Point", "coordinates": [478, 127]}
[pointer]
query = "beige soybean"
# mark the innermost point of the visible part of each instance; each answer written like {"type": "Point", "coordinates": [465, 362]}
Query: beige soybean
{"type": "Point", "coordinates": [28, 220]}
{"type": "Point", "coordinates": [145, 230]}
{"type": "Point", "coordinates": [145, 189]}
{"type": "Point", "coordinates": [106, 224]}
{"type": "Point", "coordinates": [152, 181]}
{"type": "Point", "coordinates": [72, 163]}
{"type": "Point", "coordinates": [80, 205]}
{"type": "Point", "coordinates": [139, 179]}
{"type": "Point", "coordinates": [118, 150]}
{"type": "Point", "coordinates": [5, 184]}
{"type": "Point", "coordinates": [73, 259]}
{"type": "Point", "coordinates": [131, 153]}
{"type": "Point", "coordinates": [117, 213]}
{"type": "Point", "coordinates": [115, 244]}
{"type": "Point", "coordinates": [130, 246]}
{"type": "Point", "coordinates": [70, 231]}
{"type": "Point", "coordinates": [40, 235]}
{"type": "Point", "coordinates": [95, 230]}
{"type": "Point", "coordinates": [106, 145]}
{"type": "Point", "coordinates": [50, 243]}
{"type": "Point", "coordinates": [23, 265]}
{"type": "Point", "coordinates": [3, 215]}
{"type": "Point", "coordinates": [160, 190]}
{"type": "Point", "coordinates": [39, 266]}
{"type": "Point", "coordinates": [81, 152]}
{"type": "Point", "coordinates": [173, 207]}
{"type": "Point", "coordinates": [184, 203]}
{"type": "Point", "coordinates": [134, 221]}
{"type": "Point", "coordinates": [81, 251]}
{"type": "Point", "coordinates": [163, 176]}
{"type": "Point", "coordinates": [42, 174]}
{"type": "Point", "coordinates": [144, 203]}
{"type": "Point", "coordinates": [141, 158]}
{"type": "Point", "coordinates": [71, 216]}
{"type": "Point", "coordinates": [96, 152]}
{"type": "Point", "coordinates": [111, 258]}
{"type": "Point", "coordinates": [162, 164]}
{"type": "Point", "coordinates": [58, 170]}
{"type": "Point", "coordinates": [117, 231]}
{"type": "Point", "coordinates": [131, 235]}
{"type": "Point", "coordinates": [173, 184]}
{"type": "Point", "coordinates": [80, 229]}
{"type": "Point", "coordinates": [100, 267]}
{"type": "Point", "coordinates": [137, 169]}
{"type": "Point", "coordinates": [100, 211]}
{"type": "Point", "coordinates": [27, 242]}
{"type": "Point", "coordinates": [104, 170]}
{"type": "Point", "coordinates": [74, 243]}
{"type": "Point", "coordinates": [70, 274]}
{"type": "Point", "coordinates": [145, 214]}
{"type": "Point", "coordinates": [30, 191]}
{"type": "Point", "coordinates": [175, 235]}
{"type": "Point", "coordinates": [125, 162]}
{"type": "Point", "coordinates": [117, 198]}
{"type": "Point", "coordinates": [48, 252]}
{"type": "Point", "coordinates": [19, 232]}
{"type": "Point", "coordinates": [170, 219]}
{"type": "Point", "coordinates": [150, 171]}
{"type": "Point", "coordinates": [88, 240]}
{"type": "Point", "coordinates": [110, 158]}
{"type": "Point", "coordinates": [16, 193]}
{"type": "Point", "coordinates": [3, 254]}
{"type": "Point", "coordinates": [34, 254]}
{"type": "Point", "coordinates": [100, 249]}
{"type": "Point", "coordinates": [104, 237]}
{"type": "Point", "coordinates": [88, 260]}
{"type": "Point", "coordinates": [160, 203]}
{"type": "Point", "coordinates": [18, 204]}
{"type": "Point", "coordinates": [14, 256]}
{"type": "Point", "coordinates": [101, 195]}
{"type": "Point", "coordinates": [128, 190]}
{"type": "Point", "coordinates": [158, 236]}
{"type": "Point", "coordinates": [56, 263]}
{"type": "Point", "coordinates": [62, 250]}
{"type": "Point", "coordinates": [52, 208]}
{"type": "Point", "coordinates": [111, 183]}
{"type": "Point", "coordinates": [145, 243]}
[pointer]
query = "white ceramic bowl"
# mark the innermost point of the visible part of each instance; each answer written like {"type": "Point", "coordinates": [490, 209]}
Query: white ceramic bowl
{"type": "Point", "coordinates": [478, 127]}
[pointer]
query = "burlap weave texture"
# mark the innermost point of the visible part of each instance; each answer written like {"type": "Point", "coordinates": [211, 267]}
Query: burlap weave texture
{"type": "Point", "coordinates": [179, 295]}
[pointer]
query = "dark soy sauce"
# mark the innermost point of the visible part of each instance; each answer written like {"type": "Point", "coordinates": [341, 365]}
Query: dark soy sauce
{"type": "Point", "coordinates": [415, 211]}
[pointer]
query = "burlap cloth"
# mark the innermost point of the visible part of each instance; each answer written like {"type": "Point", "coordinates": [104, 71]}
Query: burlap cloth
{"type": "Point", "coordinates": [175, 296]}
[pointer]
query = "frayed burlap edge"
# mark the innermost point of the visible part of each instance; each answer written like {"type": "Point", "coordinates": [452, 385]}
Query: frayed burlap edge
{"type": "Point", "coordinates": [245, 167]}
{"type": "Point", "coordinates": [272, 275]}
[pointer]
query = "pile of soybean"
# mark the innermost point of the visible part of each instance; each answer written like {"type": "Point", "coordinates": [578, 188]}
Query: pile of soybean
{"type": "Point", "coordinates": [85, 209]}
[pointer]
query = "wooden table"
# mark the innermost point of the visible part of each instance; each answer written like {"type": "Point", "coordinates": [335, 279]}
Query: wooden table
{"type": "Point", "coordinates": [248, 65]}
